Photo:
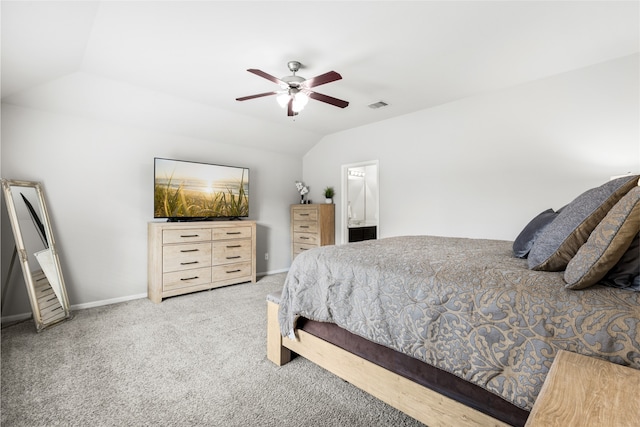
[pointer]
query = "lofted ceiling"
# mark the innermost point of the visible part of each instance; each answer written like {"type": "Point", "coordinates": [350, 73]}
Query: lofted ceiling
{"type": "Point", "coordinates": [177, 66]}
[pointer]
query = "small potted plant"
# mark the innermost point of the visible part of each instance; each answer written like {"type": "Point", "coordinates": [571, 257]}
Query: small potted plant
{"type": "Point", "coordinates": [328, 194]}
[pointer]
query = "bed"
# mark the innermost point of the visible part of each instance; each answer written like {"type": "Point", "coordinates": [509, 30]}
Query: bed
{"type": "Point", "coordinates": [479, 327]}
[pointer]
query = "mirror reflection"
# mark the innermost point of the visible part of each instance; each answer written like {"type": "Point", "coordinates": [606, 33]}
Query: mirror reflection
{"type": "Point", "coordinates": [36, 252]}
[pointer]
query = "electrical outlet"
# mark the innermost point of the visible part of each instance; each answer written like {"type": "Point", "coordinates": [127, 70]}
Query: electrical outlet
{"type": "Point", "coordinates": [266, 256]}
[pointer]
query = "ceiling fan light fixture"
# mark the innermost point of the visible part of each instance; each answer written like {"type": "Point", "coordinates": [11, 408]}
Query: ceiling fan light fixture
{"type": "Point", "coordinates": [300, 100]}
{"type": "Point", "coordinates": [283, 99]}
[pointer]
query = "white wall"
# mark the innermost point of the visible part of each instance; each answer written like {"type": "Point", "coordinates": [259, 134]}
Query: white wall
{"type": "Point", "coordinates": [484, 166]}
{"type": "Point", "coordinates": [98, 182]}
{"type": "Point", "coordinates": [478, 167]}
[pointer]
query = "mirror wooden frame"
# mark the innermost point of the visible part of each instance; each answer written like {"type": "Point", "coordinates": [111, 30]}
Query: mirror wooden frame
{"type": "Point", "coordinates": [49, 306]}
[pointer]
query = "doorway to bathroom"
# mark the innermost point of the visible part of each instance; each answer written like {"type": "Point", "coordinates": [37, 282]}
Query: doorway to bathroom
{"type": "Point", "coordinates": [360, 201]}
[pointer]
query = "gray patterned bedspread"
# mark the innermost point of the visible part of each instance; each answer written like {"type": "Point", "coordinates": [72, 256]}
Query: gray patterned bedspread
{"type": "Point", "coordinates": [466, 306]}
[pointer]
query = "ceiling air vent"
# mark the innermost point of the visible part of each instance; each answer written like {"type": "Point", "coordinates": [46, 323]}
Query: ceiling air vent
{"type": "Point", "coordinates": [378, 104]}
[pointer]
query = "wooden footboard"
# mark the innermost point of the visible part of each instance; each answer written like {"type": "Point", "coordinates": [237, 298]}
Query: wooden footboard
{"type": "Point", "coordinates": [419, 402]}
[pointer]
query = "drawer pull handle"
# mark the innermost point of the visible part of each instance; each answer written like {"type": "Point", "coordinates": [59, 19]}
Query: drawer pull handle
{"type": "Point", "coordinates": [190, 278]}
{"type": "Point", "coordinates": [233, 271]}
{"type": "Point", "coordinates": [234, 246]}
{"type": "Point", "coordinates": [234, 232]}
{"type": "Point", "coordinates": [189, 250]}
{"type": "Point", "coordinates": [304, 238]}
{"type": "Point", "coordinates": [303, 249]}
{"type": "Point", "coordinates": [233, 257]}
{"type": "Point", "coordinates": [190, 262]}
{"type": "Point", "coordinates": [188, 235]}
{"type": "Point", "coordinates": [304, 226]}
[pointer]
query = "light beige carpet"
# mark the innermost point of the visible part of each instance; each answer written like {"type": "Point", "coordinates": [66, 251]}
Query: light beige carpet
{"type": "Point", "coordinates": [193, 360]}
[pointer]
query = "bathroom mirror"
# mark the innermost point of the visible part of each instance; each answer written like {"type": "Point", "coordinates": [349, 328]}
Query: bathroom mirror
{"type": "Point", "coordinates": [360, 201]}
{"type": "Point", "coordinates": [35, 250]}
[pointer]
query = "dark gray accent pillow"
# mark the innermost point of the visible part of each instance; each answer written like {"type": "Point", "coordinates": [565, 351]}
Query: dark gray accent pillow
{"type": "Point", "coordinates": [626, 273]}
{"type": "Point", "coordinates": [561, 239]}
{"type": "Point", "coordinates": [523, 243]}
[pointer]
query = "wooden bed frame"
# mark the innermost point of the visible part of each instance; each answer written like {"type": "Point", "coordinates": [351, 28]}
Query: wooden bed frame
{"type": "Point", "coordinates": [415, 400]}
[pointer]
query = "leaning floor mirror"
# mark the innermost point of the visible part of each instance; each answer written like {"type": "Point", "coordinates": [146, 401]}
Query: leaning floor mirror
{"type": "Point", "coordinates": [36, 251]}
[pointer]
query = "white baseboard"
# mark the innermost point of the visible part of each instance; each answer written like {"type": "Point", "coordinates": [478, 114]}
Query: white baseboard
{"type": "Point", "coordinates": [15, 318]}
{"type": "Point", "coordinates": [284, 270]}
{"type": "Point", "coordinates": [107, 302]}
{"type": "Point", "coordinates": [23, 316]}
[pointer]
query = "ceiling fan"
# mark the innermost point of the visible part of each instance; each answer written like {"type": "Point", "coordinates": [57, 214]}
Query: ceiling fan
{"type": "Point", "coordinates": [296, 90]}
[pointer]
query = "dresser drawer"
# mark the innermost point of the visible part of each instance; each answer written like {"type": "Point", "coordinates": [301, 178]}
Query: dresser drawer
{"type": "Point", "coordinates": [305, 214]}
{"type": "Point", "coordinates": [231, 251]}
{"type": "Point", "coordinates": [301, 247]}
{"type": "Point", "coordinates": [305, 226]}
{"type": "Point", "coordinates": [306, 238]}
{"type": "Point", "coordinates": [186, 235]}
{"type": "Point", "coordinates": [182, 257]}
{"type": "Point", "coordinates": [231, 271]}
{"type": "Point", "coordinates": [186, 278]}
{"type": "Point", "coordinates": [231, 233]}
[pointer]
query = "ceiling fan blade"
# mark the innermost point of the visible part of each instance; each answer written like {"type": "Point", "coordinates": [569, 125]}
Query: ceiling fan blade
{"type": "Point", "coordinates": [259, 95]}
{"type": "Point", "coordinates": [329, 77]}
{"type": "Point", "coordinates": [326, 98]}
{"type": "Point", "coordinates": [266, 76]}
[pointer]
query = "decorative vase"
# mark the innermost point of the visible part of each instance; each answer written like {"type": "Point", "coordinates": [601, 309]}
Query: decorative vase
{"type": "Point", "coordinates": [328, 200]}
{"type": "Point", "coordinates": [302, 199]}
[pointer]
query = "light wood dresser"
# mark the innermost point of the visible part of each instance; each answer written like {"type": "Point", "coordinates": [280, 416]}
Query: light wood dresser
{"type": "Point", "coordinates": [583, 391]}
{"type": "Point", "coordinates": [311, 226]}
{"type": "Point", "coordinates": [186, 257]}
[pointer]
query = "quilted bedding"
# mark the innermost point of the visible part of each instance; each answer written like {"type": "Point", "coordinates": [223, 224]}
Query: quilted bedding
{"type": "Point", "coordinates": [466, 306]}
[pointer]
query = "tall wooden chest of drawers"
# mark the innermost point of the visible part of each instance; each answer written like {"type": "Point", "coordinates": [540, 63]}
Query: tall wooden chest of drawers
{"type": "Point", "coordinates": [186, 257]}
{"type": "Point", "coordinates": [311, 226]}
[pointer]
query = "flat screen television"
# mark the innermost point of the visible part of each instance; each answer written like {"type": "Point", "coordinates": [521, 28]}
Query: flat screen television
{"type": "Point", "coordinates": [194, 191]}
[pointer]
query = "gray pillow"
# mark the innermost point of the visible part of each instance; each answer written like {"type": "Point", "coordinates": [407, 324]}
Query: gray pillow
{"type": "Point", "coordinates": [523, 243]}
{"type": "Point", "coordinates": [626, 273]}
{"type": "Point", "coordinates": [561, 239]}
